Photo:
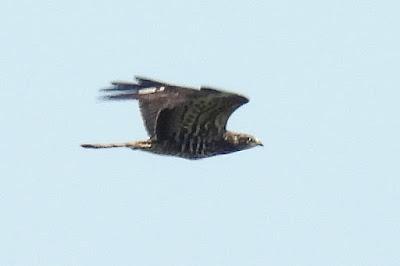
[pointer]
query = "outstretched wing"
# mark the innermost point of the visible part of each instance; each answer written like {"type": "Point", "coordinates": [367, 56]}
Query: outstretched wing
{"type": "Point", "coordinates": [203, 117]}
{"type": "Point", "coordinates": [154, 96]}
{"type": "Point", "coordinates": [178, 113]}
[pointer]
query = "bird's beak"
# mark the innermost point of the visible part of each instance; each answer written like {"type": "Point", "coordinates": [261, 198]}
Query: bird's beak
{"type": "Point", "coordinates": [259, 143]}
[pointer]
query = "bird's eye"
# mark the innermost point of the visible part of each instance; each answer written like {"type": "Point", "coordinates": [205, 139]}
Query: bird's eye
{"type": "Point", "coordinates": [248, 139]}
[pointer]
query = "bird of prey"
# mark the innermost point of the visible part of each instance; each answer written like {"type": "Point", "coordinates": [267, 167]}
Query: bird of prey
{"type": "Point", "coordinates": [181, 121]}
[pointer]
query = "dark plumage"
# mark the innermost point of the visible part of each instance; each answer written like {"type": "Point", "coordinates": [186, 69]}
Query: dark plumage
{"type": "Point", "coordinates": [181, 121]}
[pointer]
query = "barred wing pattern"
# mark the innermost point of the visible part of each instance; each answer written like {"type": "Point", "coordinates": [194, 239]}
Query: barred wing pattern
{"type": "Point", "coordinates": [176, 113]}
{"type": "Point", "coordinates": [202, 117]}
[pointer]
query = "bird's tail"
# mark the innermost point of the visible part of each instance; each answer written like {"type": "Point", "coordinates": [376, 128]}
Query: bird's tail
{"type": "Point", "coordinates": [142, 145]}
{"type": "Point", "coordinates": [109, 145]}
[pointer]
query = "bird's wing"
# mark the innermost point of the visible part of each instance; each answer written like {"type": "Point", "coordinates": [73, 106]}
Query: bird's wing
{"type": "Point", "coordinates": [154, 96]}
{"type": "Point", "coordinates": [204, 116]}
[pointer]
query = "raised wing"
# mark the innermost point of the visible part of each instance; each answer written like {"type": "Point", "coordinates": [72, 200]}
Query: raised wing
{"type": "Point", "coordinates": [154, 96]}
{"type": "Point", "coordinates": [202, 117]}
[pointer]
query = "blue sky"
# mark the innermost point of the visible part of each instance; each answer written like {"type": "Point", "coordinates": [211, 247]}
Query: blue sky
{"type": "Point", "coordinates": [323, 79]}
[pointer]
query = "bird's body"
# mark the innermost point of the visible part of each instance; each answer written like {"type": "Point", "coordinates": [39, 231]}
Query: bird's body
{"type": "Point", "coordinates": [193, 148]}
{"type": "Point", "coordinates": [181, 121]}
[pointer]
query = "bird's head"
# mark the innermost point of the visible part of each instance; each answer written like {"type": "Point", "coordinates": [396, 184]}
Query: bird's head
{"type": "Point", "coordinates": [242, 141]}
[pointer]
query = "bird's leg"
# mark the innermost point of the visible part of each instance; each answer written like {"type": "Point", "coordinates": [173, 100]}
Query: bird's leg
{"type": "Point", "coordinates": [142, 145]}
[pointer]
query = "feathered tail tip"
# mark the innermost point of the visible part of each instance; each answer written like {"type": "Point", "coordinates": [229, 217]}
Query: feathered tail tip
{"type": "Point", "coordinates": [141, 83]}
{"type": "Point", "coordinates": [120, 90]}
{"type": "Point", "coordinates": [128, 90]}
{"type": "Point", "coordinates": [121, 86]}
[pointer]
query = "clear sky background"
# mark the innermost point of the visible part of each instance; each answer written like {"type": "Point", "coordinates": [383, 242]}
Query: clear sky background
{"type": "Point", "coordinates": [323, 79]}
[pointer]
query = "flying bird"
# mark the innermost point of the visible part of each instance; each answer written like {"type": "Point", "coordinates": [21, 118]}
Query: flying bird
{"type": "Point", "coordinates": [181, 121]}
